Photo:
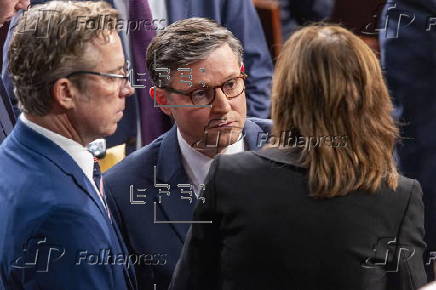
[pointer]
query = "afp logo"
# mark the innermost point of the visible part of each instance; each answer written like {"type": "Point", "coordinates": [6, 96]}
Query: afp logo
{"type": "Point", "coordinates": [38, 255]}
{"type": "Point", "coordinates": [388, 254]}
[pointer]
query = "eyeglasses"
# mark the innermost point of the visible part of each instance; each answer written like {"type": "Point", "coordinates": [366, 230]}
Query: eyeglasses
{"type": "Point", "coordinates": [124, 79]}
{"type": "Point", "coordinates": [205, 96]}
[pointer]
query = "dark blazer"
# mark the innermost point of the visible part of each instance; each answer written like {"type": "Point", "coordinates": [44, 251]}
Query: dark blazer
{"type": "Point", "coordinates": [408, 54]}
{"type": "Point", "coordinates": [267, 233]}
{"type": "Point", "coordinates": [241, 18]}
{"type": "Point", "coordinates": [7, 117]}
{"type": "Point", "coordinates": [53, 226]}
{"type": "Point", "coordinates": [144, 231]}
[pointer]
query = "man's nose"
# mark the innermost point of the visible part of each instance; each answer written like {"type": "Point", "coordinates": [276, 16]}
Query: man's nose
{"type": "Point", "coordinates": [22, 4]}
{"type": "Point", "coordinates": [221, 104]}
{"type": "Point", "coordinates": [127, 90]}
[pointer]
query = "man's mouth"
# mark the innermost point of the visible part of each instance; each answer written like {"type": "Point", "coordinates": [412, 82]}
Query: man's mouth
{"type": "Point", "coordinates": [224, 124]}
{"type": "Point", "coordinates": [220, 123]}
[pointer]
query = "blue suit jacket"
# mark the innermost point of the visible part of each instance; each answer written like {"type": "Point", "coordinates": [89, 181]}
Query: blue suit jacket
{"type": "Point", "coordinates": [239, 17]}
{"type": "Point", "coordinates": [408, 54]}
{"type": "Point", "coordinates": [54, 231]}
{"type": "Point", "coordinates": [134, 201]}
{"type": "Point", "coordinates": [7, 117]}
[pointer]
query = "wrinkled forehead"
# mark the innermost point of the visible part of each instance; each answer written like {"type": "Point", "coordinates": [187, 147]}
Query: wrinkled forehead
{"type": "Point", "coordinates": [105, 52]}
{"type": "Point", "coordinates": [219, 65]}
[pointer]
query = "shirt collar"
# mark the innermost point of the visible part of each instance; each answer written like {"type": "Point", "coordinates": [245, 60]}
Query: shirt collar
{"type": "Point", "coordinates": [196, 164]}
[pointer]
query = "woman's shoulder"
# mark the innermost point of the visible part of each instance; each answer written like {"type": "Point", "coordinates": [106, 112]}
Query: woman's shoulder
{"type": "Point", "coordinates": [408, 186]}
{"type": "Point", "coordinates": [261, 157]}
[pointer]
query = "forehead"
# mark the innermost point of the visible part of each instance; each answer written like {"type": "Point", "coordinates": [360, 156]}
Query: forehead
{"type": "Point", "coordinates": [106, 53]}
{"type": "Point", "coordinates": [216, 68]}
{"type": "Point", "coordinates": [222, 60]}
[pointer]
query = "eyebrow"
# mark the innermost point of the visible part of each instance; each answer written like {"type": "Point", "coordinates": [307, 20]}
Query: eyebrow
{"type": "Point", "coordinates": [117, 69]}
{"type": "Point", "coordinates": [229, 77]}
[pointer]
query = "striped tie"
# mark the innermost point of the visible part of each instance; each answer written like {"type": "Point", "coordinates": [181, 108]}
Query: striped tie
{"type": "Point", "coordinates": [98, 180]}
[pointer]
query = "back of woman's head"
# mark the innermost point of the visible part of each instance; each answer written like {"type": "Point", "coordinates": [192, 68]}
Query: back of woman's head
{"type": "Point", "coordinates": [328, 86]}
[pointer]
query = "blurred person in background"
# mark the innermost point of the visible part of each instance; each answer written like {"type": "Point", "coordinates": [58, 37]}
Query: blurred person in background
{"type": "Point", "coordinates": [408, 55]}
{"type": "Point", "coordinates": [8, 8]}
{"type": "Point", "coordinates": [335, 215]}
{"type": "Point", "coordinates": [361, 17]}
{"type": "Point", "coordinates": [296, 13]}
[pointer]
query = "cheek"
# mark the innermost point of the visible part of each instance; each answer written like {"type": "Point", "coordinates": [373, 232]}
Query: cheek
{"type": "Point", "coordinates": [240, 106]}
{"type": "Point", "coordinates": [9, 8]}
{"type": "Point", "coordinates": [108, 103]}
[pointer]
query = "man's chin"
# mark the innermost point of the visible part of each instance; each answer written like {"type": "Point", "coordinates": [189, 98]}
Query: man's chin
{"type": "Point", "coordinates": [219, 140]}
{"type": "Point", "coordinates": [110, 131]}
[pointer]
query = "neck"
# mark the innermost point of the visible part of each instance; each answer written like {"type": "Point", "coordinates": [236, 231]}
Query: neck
{"type": "Point", "coordinates": [59, 124]}
{"type": "Point", "coordinates": [205, 149]}
{"type": "Point", "coordinates": [210, 152]}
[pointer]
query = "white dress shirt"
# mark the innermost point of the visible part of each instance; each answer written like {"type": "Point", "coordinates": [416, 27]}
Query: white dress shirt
{"type": "Point", "coordinates": [80, 154]}
{"type": "Point", "coordinates": [197, 165]}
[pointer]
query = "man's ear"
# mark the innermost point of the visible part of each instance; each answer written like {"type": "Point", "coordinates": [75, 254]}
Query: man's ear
{"type": "Point", "coordinates": [62, 92]}
{"type": "Point", "coordinates": [161, 98]}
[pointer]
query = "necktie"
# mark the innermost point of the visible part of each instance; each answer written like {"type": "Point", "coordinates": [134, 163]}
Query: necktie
{"type": "Point", "coordinates": [153, 122]}
{"type": "Point", "coordinates": [98, 180]}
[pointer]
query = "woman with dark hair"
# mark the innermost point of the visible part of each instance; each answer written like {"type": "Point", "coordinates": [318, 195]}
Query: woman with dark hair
{"type": "Point", "coordinates": [322, 206]}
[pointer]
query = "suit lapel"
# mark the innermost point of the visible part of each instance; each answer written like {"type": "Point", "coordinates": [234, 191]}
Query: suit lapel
{"type": "Point", "coordinates": [129, 273]}
{"type": "Point", "coordinates": [170, 171]}
{"type": "Point", "coordinates": [44, 146]}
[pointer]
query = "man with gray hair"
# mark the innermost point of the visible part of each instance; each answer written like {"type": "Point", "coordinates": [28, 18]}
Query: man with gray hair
{"type": "Point", "coordinates": [56, 231]}
{"type": "Point", "coordinates": [8, 8]}
{"type": "Point", "coordinates": [198, 74]}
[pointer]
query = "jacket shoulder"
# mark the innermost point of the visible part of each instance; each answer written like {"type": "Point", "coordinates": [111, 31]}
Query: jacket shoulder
{"type": "Point", "coordinates": [135, 163]}
{"type": "Point", "coordinates": [264, 124]}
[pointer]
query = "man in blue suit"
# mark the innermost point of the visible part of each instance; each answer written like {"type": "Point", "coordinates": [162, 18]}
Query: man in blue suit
{"type": "Point", "coordinates": [408, 54]}
{"type": "Point", "coordinates": [7, 117]}
{"type": "Point", "coordinates": [239, 17]}
{"type": "Point", "coordinates": [56, 231]}
{"type": "Point", "coordinates": [199, 78]}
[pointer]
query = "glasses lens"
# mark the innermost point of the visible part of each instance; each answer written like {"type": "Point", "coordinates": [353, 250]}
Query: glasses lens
{"type": "Point", "coordinates": [202, 97]}
{"type": "Point", "coordinates": [233, 87]}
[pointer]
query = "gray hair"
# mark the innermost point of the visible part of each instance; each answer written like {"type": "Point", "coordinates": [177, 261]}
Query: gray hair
{"type": "Point", "coordinates": [185, 42]}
